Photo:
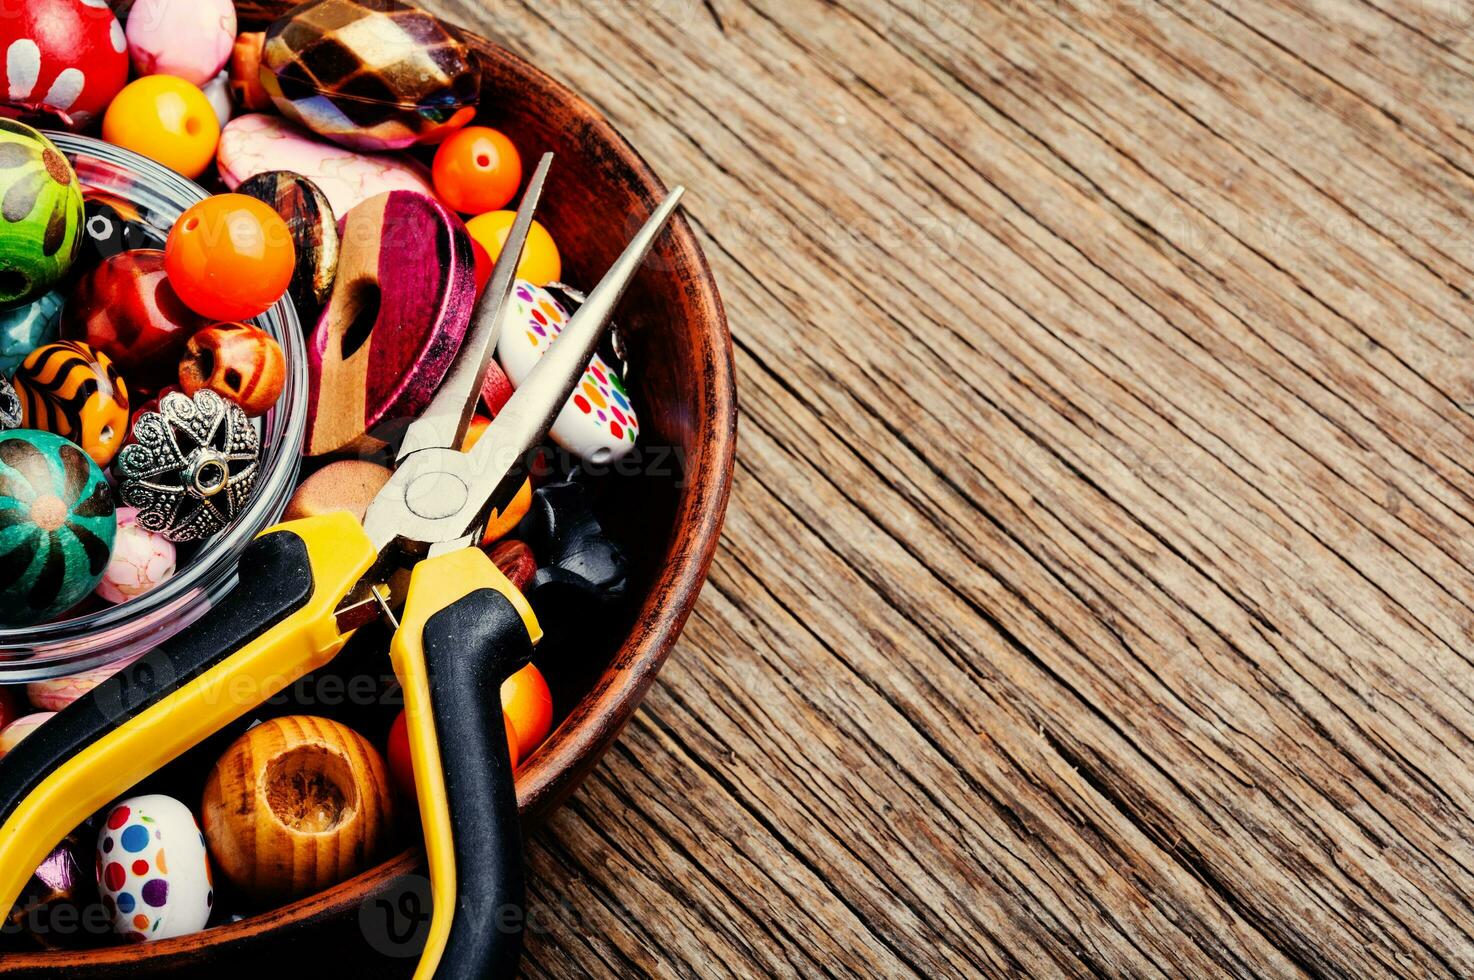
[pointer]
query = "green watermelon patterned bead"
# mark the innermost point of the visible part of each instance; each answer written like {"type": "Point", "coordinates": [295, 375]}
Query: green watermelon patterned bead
{"type": "Point", "coordinates": [41, 214]}
{"type": "Point", "coordinates": [57, 526]}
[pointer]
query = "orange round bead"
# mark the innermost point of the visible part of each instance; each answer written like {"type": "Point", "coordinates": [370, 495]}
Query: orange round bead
{"type": "Point", "coordinates": [477, 170]}
{"type": "Point", "coordinates": [528, 704]}
{"type": "Point", "coordinates": [230, 257]}
{"type": "Point", "coordinates": [541, 263]}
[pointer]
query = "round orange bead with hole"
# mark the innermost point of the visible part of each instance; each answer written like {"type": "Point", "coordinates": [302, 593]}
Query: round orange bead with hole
{"type": "Point", "coordinates": [230, 257]}
{"type": "Point", "coordinates": [477, 170]}
{"type": "Point", "coordinates": [528, 704]}
{"type": "Point", "coordinates": [541, 263]}
{"type": "Point", "coordinates": [167, 120]}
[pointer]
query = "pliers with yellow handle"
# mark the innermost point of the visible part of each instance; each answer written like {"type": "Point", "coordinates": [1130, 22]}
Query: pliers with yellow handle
{"type": "Point", "coordinates": [306, 586]}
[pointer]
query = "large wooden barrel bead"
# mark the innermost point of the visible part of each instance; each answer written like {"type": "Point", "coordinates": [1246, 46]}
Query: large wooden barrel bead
{"type": "Point", "coordinates": [57, 526]}
{"type": "Point", "coordinates": [314, 228]}
{"type": "Point", "coordinates": [370, 74]}
{"type": "Point", "coordinates": [399, 310]}
{"type": "Point", "coordinates": [296, 805]}
{"type": "Point", "coordinates": [73, 390]}
{"type": "Point", "coordinates": [40, 214]}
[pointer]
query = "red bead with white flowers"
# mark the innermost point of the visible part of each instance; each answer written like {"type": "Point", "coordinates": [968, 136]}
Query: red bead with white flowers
{"type": "Point", "coordinates": [63, 58]}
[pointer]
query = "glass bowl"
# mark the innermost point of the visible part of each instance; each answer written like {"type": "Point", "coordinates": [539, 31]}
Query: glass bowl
{"type": "Point", "coordinates": [117, 633]}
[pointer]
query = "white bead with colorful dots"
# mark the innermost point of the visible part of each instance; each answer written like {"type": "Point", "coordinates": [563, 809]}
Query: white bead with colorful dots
{"type": "Point", "coordinates": [599, 425]}
{"type": "Point", "coordinates": [153, 870]}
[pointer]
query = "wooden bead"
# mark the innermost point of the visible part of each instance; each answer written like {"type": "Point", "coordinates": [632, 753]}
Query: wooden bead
{"type": "Point", "coordinates": [296, 805]}
{"type": "Point", "coordinates": [349, 484]}
{"type": "Point", "coordinates": [237, 361]}
{"type": "Point", "coordinates": [399, 310]}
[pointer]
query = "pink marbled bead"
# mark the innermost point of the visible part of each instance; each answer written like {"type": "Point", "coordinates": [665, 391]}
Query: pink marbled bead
{"type": "Point", "coordinates": [54, 695]}
{"type": "Point", "coordinates": [189, 39]}
{"type": "Point", "coordinates": [141, 560]}
{"type": "Point", "coordinates": [254, 143]}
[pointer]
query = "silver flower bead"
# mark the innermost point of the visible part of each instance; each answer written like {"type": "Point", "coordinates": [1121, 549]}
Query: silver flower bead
{"type": "Point", "coordinates": [11, 416]}
{"type": "Point", "coordinates": [193, 467]}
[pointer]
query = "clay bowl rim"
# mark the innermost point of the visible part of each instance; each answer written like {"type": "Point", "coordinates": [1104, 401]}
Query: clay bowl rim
{"type": "Point", "coordinates": [576, 746]}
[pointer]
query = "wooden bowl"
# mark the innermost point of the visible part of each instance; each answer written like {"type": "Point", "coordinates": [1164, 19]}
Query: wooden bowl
{"type": "Point", "coordinates": [599, 193]}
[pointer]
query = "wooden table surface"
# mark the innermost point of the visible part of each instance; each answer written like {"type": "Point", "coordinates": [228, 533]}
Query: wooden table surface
{"type": "Point", "coordinates": [1098, 588]}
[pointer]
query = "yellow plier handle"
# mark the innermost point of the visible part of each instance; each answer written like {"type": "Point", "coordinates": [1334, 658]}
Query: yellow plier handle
{"type": "Point", "coordinates": [465, 629]}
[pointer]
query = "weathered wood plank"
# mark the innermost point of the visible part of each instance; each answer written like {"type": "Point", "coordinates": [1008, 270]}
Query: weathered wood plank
{"type": "Point", "coordinates": [1098, 590]}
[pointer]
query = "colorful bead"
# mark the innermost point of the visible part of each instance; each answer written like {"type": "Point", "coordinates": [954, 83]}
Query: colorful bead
{"type": "Point", "coordinates": [541, 264]}
{"type": "Point", "coordinates": [25, 328]}
{"type": "Point", "coordinates": [54, 695]}
{"type": "Point", "coordinates": [217, 93]}
{"type": "Point", "coordinates": [74, 391]}
{"type": "Point", "coordinates": [142, 560]}
{"type": "Point", "coordinates": [167, 120]}
{"type": "Point", "coordinates": [66, 58]}
{"type": "Point", "coordinates": [393, 324]}
{"type": "Point", "coordinates": [348, 484]}
{"type": "Point", "coordinates": [236, 360]}
{"type": "Point", "coordinates": [528, 705]}
{"type": "Point", "coordinates": [56, 526]}
{"type": "Point", "coordinates": [193, 468]}
{"type": "Point", "coordinates": [256, 143]}
{"type": "Point", "coordinates": [477, 170]}
{"type": "Point", "coordinates": [153, 869]}
{"type": "Point", "coordinates": [41, 208]}
{"type": "Point", "coordinates": [230, 257]}
{"type": "Point", "coordinates": [127, 309]}
{"type": "Point", "coordinates": [515, 560]}
{"type": "Point", "coordinates": [17, 731]}
{"type": "Point", "coordinates": [59, 892]}
{"type": "Point", "coordinates": [370, 74]}
{"type": "Point", "coordinates": [314, 228]}
{"type": "Point", "coordinates": [113, 225]}
{"type": "Point", "coordinates": [189, 39]}
{"type": "Point", "coordinates": [296, 805]}
{"type": "Point", "coordinates": [245, 73]}
{"type": "Point", "coordinates": [12, 416]}
{"type": "Point", "coordinates": [599, 424]}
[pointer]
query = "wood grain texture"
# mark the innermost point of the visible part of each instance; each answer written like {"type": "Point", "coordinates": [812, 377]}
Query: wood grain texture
{"type": "Point", "coordinates": [1096, 594]}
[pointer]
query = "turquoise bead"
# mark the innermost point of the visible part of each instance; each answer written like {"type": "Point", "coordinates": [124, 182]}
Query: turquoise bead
{"type": "Point", "coordinates": [23, 330]}
{"type": "Point", "coordinates": [57, 526]}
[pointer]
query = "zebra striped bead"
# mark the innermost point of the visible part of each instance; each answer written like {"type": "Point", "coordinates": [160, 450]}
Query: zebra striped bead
{"type": "Point", "coordinates": [74, 391]}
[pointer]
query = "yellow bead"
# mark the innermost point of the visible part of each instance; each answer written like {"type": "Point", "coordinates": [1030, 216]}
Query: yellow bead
{"type": "Point", "coordinates": [167, 120]}
{"type": "Point", "coordinates": [541, 263]}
